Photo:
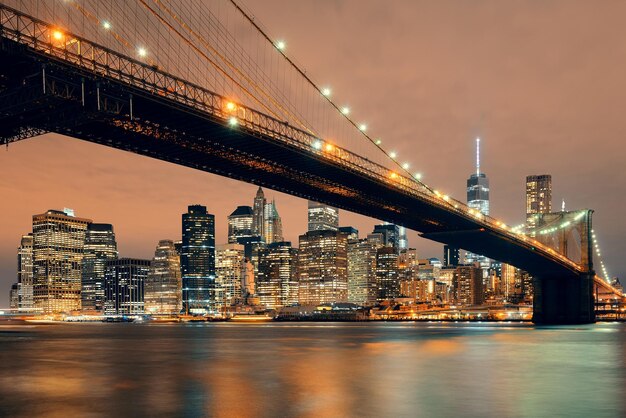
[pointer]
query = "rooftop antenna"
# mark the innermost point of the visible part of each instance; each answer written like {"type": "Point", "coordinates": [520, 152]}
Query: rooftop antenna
{"type": "Point", "coordinates": [477, 157]}
{"type": "Point", "coordinates": [563, 205]}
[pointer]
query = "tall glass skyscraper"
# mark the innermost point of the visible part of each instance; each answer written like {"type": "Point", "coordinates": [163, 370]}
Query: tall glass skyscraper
{"type": "Point", "coordinates": [163, 285]}
{"type": "Point", "coordinates": [100, 247]}
{"type": "Point", "coordinates": [277, 283]}
{"type": "Point", "coordinates": [322, 217]}
{"type": "Point", "coordinates": [538, 197]}
{"type": "Point", "coordinates": [272, 224]}
{"type": "Point", "coordinates": [25, 274]}
{"type": "Point", "coordinates": [124, 283]}
{"type": "Point", "coordinates": [58, 245]}
{"type": "Point", "coordinates": [197, 261]}
{"type": "Point", "coordinates": [478, 199]}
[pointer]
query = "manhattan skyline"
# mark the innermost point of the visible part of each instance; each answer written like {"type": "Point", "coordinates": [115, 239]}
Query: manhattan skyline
{"type": "Point", "coordinates": [448, 88]}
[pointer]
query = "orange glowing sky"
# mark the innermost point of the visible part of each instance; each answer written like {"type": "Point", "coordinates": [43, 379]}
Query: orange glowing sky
{"type": "Point", "coordinates": [542, 83]}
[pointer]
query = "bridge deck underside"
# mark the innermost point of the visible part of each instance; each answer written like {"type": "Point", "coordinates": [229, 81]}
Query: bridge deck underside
{"type": "Point", "coordinates": [97, 109]}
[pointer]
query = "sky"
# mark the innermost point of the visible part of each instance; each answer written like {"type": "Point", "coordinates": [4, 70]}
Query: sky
{"type": "Point", "coordinates": [541, 82]}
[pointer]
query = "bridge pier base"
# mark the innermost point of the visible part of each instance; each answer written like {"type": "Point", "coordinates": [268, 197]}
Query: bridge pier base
{"type": "Point", "coordinates": [561, 301]}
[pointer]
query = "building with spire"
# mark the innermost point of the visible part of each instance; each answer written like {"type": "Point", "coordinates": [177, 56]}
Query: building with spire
{"type": "Point", "coordinates": [272, 224]}
{"type": "Point", "coordinates": [258, 210]}
{"type": "Point", "coordinates": [478, 199]}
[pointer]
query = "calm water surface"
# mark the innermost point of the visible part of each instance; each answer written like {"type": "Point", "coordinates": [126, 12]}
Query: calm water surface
{"type": "Point", "coordinates": [307, 370]}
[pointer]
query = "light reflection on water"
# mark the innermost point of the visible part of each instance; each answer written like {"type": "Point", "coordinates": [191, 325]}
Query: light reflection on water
{"type": "Point", "coordinates": [296, 369]}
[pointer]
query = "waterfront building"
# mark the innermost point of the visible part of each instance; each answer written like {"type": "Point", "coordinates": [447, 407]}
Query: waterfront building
{"type": "Point", "coordinates": [322, 267]}
{"type": "Point", "coordinates": [322, 217]}
{"type": "Point", "coordinates": [230, 273]}
{"type": "Point", "coordinates": [469, 287]}
{"type": "Point", "coordinates": [100, 247]}
{"type": "Point", "coordinates": [240, 224]}
{"type": "Point", "coordinates": [538, 197]}
{"type": "Point", "coordinates": [58, 245]}
{"type": "Point", "coordinates": [163, 286]}
{"type": "Point", "coordinates": [258, 210]}
{"type": "Point", "coordinates": [197, 261]}
{"type": "Point", "coordinates": [362, 285]}
{"type": "Point", "coordinates": [14, 297]}
{"type": "Point", "coordinates": [25, 274]}
{"type": "Point", "coordinates": [124, 286]}
{"type": "Point", "coordinates": [272, 224]}
{"type": "Point", "coordinates": [387, 273]}
{"type": "Point", "coordinates": [277, 281]}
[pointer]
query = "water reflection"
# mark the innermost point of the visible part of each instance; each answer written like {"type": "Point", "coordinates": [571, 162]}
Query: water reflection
{"type": "Point", "coordinates": [306, 370]}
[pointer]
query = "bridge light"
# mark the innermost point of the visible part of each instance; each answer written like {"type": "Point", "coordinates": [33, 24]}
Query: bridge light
{"type": "Point", "coordinates": [393, 175]}
{"type": "Point", "coordinates": [378, 141]}
{"type": "Point", "coordinates": [58, 35]}
{"type": "Point", "coordinates": [326, 92]}
{"type": "Point", "coordinates": [345, 110]}
{"type": "Point", "coordinates": [418, 176]}
{"type": "Point", "coordinates": [142, 52]}
{"type": "Point", "coordinates": [405, 166]}
{"type": "Point", "coordinates": [393, 155]}
{"type": "Point", "coordinates": [106, 25]}
{"type": "Point", "coordinates": [363, 127]}
{"type": "Point", "coordinates": [230, 106]}
{"type": "Point", "coordinates": [317, 144]}
{"type": "Point", "coordinates": [329, 147]}
{"type": "Point", "coordinates": [280, 45]}
{"type": "Point", "coordinates": [233, 121]}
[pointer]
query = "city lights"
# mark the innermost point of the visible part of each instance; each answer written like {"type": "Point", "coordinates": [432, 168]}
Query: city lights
{"type": "Point", "coordinates": [232, 121]}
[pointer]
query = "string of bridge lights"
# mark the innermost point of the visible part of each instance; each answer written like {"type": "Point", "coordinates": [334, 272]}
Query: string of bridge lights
{"type": "Point", "coordinates": [599, 254]}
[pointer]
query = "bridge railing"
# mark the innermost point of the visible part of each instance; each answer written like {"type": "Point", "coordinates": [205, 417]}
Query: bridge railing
{"type": "Point", "coordinates": [55, 43]}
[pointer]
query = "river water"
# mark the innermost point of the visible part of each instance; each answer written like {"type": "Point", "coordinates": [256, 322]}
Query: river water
{"type": "Point", "coordinates": [313, 370]}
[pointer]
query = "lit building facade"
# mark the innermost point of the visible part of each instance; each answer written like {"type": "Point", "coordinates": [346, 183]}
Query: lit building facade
{"type": "Point", "coordinates": [469, 289]}
{"type": "Point", "coordinates": [478, 199]}
{"type": "Point", "coordinates": [58, 245]}
{"type": "Point", "coordinates": [124, 286]}
{"type": "Point", "coordinates": [387, 274]}
{"type": "Point", "coordinates": [322, 217]}
{"type": "Point", "coordinates": [197, 261]}
{"type": "Point", "coordinates": [362, 285]}
{"type": "Point", "coordinates": [100, 247]}
{"type": "Point", "coordinates": [230, 271]}
{"type": "Point", "coordinates": [240, 224]}
{"type": "Point", "coordinates": [538, 196]}
{"type": "Point", "coordinates": [258, 210]}
{"type": "Point", "coordinates": [277, 281]}
{"type": "Point", "coordinates": [451, 256]}
{"type": "Point", "coordinates": [390, 234]}
{"type": "Point", "coordinates": [272, 224]}
{"type": "Point", "coordinates": [25, 274]}
{"type": "Point", "coordinates": [163, 286]}
{"type": "Point", "coordinates": [322, 267]}
{"type": "Point", "coordinates": [14, 297]}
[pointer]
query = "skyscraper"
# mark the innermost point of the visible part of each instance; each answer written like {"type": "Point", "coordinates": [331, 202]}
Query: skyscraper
{"type": "Point", "coordinates": [362, 286]}
{"type": "Point", "coordinates": [322, 267]}
{"type": "Point", "coordinates": [197, 261]}
{"type": "Point", "coordinates": [469, 285]}
{"type": "Point", "coordinates": [538, 196]}
{"type": "Point", "coordinates": [240, 224]}
{"type": "Point", "coordinates": [390, 234]}
{"type": "Point", "coordinates": [14, 297]}
{"type": "Point", "coordinates": [272, 224]}
{"type": "Point", "coordinates": [230, 270]}
{"type": "Point", "coordinates": [163, 286]}
{"type": "Point", "coordinates": [478, 199]}
{"type": "Point", "coordinates": [450, 256]}
{"type": "Point", "coordinates": [258, 210]}
{"type": "Point", "coordinates": [58, 245]}
{"type": "Point", "coordinates": [322, 217]}
{"type": "Point", "coordinates": [387, 273]}
{"type": "Point", "coordinates": [100, 247]}
{"type": "Point", "coordinates": [124, 286]}
{"type": "Point", "coordinates": [478, 187]}
{"type": "Point", "coordinates": [277, 283]}
{"type": "Point", "coordinates": [25, 274]}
